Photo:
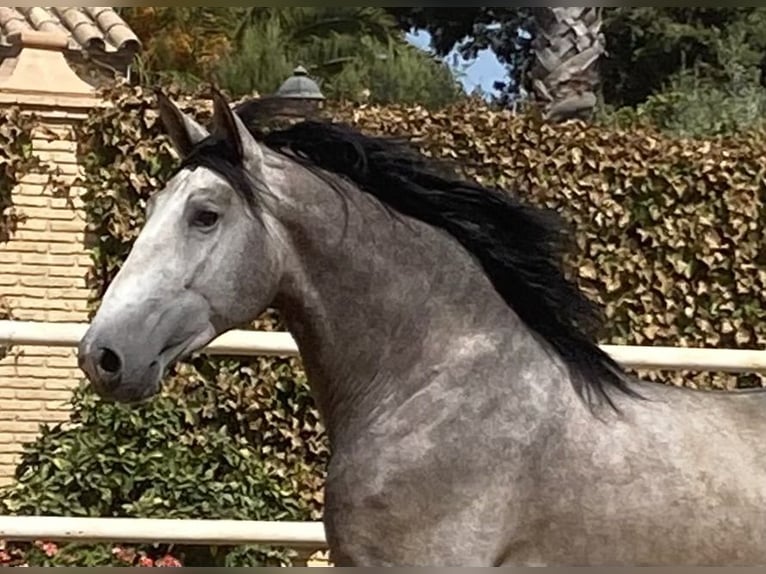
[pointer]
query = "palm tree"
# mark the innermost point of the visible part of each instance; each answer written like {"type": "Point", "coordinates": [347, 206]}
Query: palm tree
{"type": "Point", "coordinates": [324, 40]}
{"type": "Point", "coordinates": [564, 76]}
{"type": "Point", "coordinates": [316, 23]}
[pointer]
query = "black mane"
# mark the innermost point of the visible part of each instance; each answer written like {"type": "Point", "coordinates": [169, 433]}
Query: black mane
{"type": "Point", "coordinates": [519, 246]}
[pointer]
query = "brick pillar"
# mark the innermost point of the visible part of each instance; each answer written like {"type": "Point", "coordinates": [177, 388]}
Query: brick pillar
{"type": "Point", "coordinates": [43, 267]}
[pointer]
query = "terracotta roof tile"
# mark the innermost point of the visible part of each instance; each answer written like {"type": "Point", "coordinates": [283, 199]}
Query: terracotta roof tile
{"type": "Point", "coordinates": [94, 29]}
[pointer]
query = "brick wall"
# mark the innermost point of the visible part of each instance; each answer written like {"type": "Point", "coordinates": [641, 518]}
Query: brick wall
{"type": "Point", "coordinates": [42, 277]}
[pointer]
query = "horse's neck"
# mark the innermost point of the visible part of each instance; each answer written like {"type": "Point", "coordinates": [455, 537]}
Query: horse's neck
{"type": "Point", "coordinates": [380, 304]}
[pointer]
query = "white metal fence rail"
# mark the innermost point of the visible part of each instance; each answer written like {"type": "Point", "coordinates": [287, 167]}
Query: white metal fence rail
{"type": "Point", "coordinates": [303, 535]}
{"type": "Point", "coordinates": [309, 535]}
{"type": "Point", "coordinates": [249, 343]}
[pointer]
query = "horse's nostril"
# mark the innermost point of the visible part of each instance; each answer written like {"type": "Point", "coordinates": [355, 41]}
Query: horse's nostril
{"type": "Point", "coordinates": [110, 362]}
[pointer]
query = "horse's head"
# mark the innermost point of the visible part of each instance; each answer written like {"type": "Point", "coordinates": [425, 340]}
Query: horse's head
{"type": "Point", "coordinates": [207, 260]}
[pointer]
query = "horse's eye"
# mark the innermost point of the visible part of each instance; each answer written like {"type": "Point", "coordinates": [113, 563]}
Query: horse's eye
{"type": "Point", "coordinates": [205, 218]}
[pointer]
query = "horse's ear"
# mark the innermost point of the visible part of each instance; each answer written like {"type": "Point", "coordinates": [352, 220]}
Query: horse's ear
{"type": "Point", "coordinates": [229, 126]}
{"type": "Point", "coordinates": [184, 132]}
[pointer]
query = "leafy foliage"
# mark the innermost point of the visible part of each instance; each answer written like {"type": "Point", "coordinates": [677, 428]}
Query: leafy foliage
{"type": "Point", "coordinates": [648, 47]}
{"type": "Point", "coordinates": [16, 159]}
{"type": "Point", "coordinates": [45, 554]}
{"type": "Point", "coordinates": [164, 459]}
{"type": "Point", "coordinates": [505, 31]}
{"type": "Point", "coordinates": [183, 44]}
{"type": "Point", "coordinates": [701, 102]}
{"type": "Point", "coordinates": [355, 53]}
{"type": "Point", "coordinates": [249, 50]}
{"type": "Point", "coordinates": [400, 74]}
{"type": "Point", "coordinates": [158, 477]}
{"type": "Point", "coordinates": [306, 26]}
{"type": "Point", "coordinates": [696, 106]}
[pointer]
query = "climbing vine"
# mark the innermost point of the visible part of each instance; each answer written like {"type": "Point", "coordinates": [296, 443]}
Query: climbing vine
{"type": "Point", "coordinates": [16, 160]}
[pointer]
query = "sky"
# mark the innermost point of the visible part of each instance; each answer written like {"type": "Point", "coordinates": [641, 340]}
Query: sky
{"type": "Point", "coordinates": [482, 71]}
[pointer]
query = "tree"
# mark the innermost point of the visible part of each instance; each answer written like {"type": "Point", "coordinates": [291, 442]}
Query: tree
{"type": "Point", "coordinates": [185, 44]}
{"type": "Point", "coordinates": [567, 47]}
{"type": "Point", "coordinates": [646, 48]}
{"type": "Point", "coordinates": [403, 74]}
{"type": "Point", "coordinates": [559, 66]}
{"type": "Point", "coordinates": [272, 41]}
{"type": "Point", "coordinates": [649, 47]}
{"type": "Point", "coordinates": [471, 30]}
{"type": "Point", "coordinates": [355, 53]}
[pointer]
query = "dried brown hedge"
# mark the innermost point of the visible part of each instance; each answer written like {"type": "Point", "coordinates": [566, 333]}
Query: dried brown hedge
{"type": "Point", "coordinates": [669, 232]}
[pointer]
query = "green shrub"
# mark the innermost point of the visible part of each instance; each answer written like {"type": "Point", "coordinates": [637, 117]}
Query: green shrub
{"type": "Point", "coordinates": [706, 101]}
{"type": "Point", "coordinates": [696, 106]}
{"type": "Point", "coordinates": [184, 454]}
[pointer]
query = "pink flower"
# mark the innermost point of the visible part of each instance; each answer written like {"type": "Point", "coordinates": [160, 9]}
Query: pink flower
{"type": "Point", "coordinates": [124, 554]}
{"type": "Point", "coordinates": [50, 549]}
{"type": "Point", "coordinates": [168, 561]}
{"type": "Point", "coordinates": [145, 562]}
{"type": "Point", "coordinates": [4, 556]}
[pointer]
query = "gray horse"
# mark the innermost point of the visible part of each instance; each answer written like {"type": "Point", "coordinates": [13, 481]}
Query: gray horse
{"type": "Point", "coordinates": [472, 418]}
